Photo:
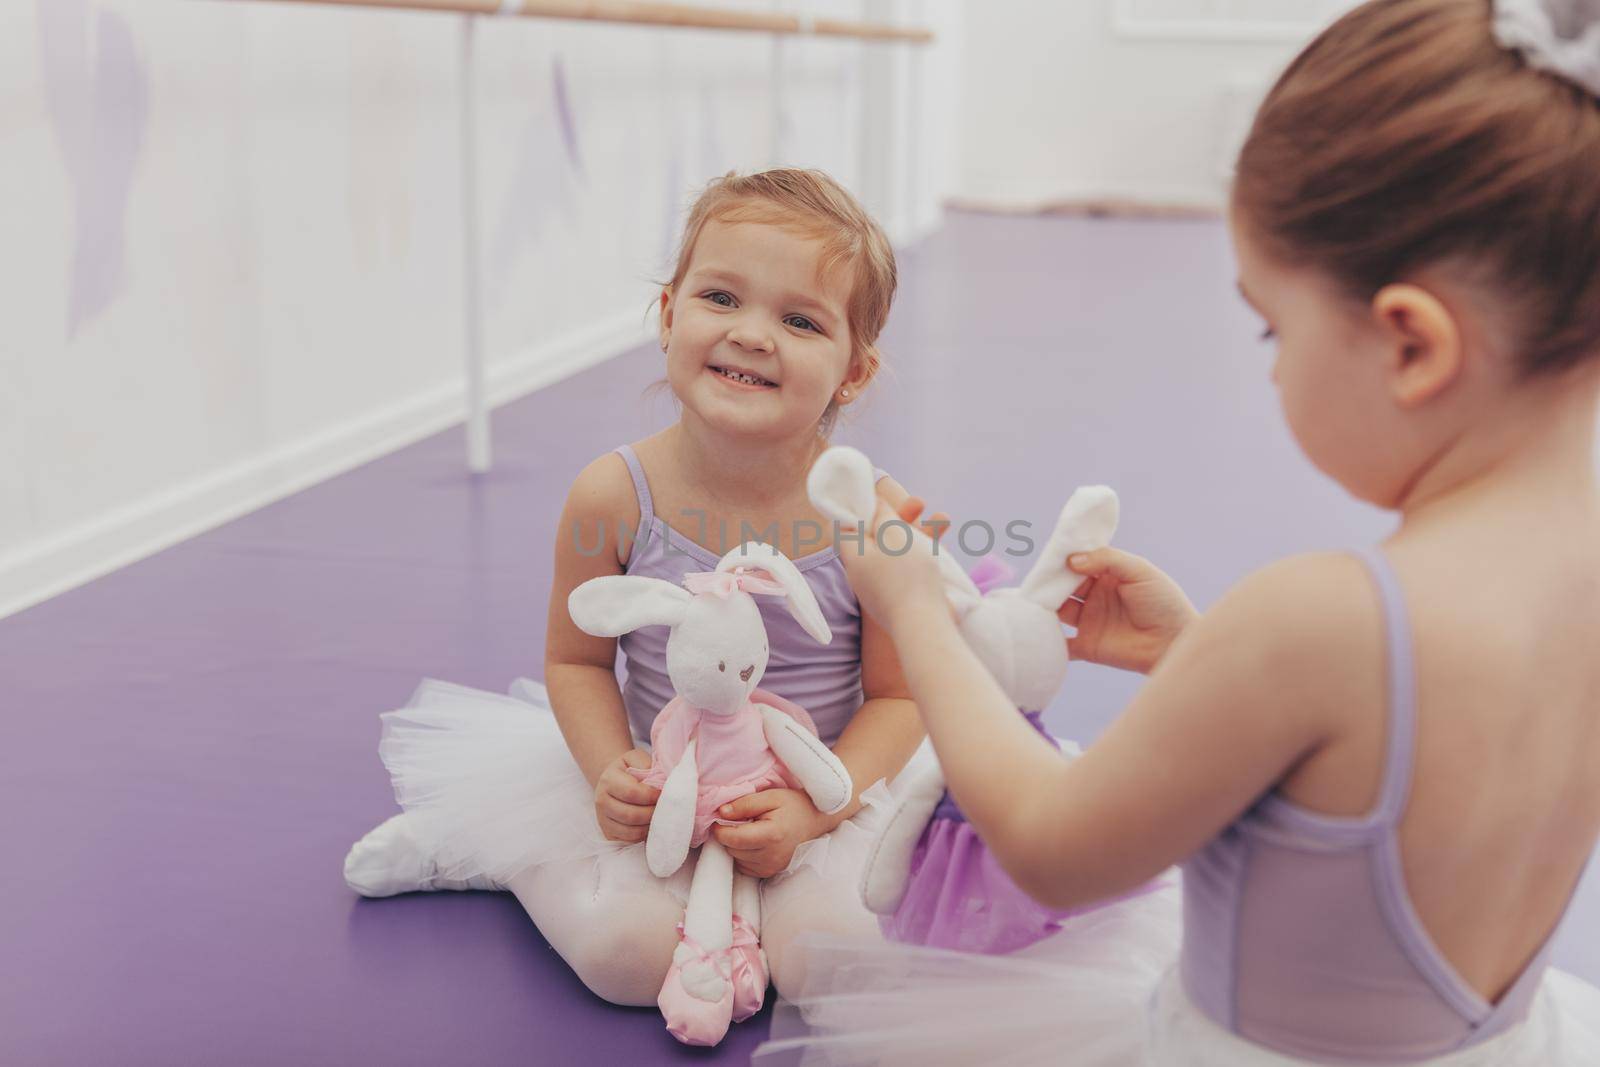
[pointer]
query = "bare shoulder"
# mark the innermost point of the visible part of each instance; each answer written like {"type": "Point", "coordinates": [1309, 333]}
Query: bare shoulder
{"type": "Point", "coordinates": [604, 489]}
{"type": "Point", "coordinates": [602, 495]}
{"type": "Point", "coordinates": [1308, 627]}
{"type": "Point", "coordinates": [1322, 596]}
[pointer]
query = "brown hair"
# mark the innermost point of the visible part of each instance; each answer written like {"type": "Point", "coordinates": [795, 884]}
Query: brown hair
{"type": "Point", "coordinates": [815, 204]}
{"type": "Point", "coordinates": [1405, 136]}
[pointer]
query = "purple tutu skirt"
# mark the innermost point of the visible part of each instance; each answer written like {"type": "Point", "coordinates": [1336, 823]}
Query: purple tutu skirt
{"type": "Point", "coordinates": [959, 897]}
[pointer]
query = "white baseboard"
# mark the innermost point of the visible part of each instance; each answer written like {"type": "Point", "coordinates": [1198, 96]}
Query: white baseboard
{"type": "Point", "coordinates": [64, 560]}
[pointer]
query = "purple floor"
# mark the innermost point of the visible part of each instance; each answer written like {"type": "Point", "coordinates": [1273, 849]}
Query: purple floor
{"type": "Point", "coordinates": [190, 742]}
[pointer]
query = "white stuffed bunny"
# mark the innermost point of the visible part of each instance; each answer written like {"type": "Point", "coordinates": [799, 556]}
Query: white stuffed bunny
{"type": "Point", "coordinates": [928, 873]}
{"type": "Point", "coordinates": [720, 739]}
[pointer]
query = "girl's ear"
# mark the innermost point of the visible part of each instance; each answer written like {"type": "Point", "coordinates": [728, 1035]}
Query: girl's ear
{"type": "Point", "coordinates": [616, 604]}
{"type": "Point", "coordinates": [864, 366]}
{"type": "Point", "coordinates": [1423, 341]}
{"type": "Point", "coordinates": [664, 311]}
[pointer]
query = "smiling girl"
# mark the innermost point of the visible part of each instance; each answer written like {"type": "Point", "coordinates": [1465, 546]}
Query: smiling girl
{"type": "Point", "coordinates": [781, 288]}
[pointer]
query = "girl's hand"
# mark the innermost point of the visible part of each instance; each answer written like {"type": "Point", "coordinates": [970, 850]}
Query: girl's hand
{"type": "Point", "coordinates": [782, 819]}
{"type": "Point", "coordinates": [901, 572]}
{"type": "Point", "coordinates": [1128, 611]}
{"type": "Point", "coordinates": [623, 805]}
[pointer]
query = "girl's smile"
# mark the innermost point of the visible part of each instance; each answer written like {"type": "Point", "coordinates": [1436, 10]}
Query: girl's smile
{"type": "Point", "coordinates": [740, 378]}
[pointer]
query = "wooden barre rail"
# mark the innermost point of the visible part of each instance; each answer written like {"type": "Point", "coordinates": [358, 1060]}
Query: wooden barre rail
{"type": "Point", "coordinates": [653, 14]}
{"type": "Point", "coordinates": [632, 12]}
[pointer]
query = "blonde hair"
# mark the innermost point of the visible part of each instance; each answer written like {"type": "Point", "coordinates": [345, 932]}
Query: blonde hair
{"type": "Point", "coordinates": [1405, 136]}
{"type": "Point", "coordinates": [816, 205]}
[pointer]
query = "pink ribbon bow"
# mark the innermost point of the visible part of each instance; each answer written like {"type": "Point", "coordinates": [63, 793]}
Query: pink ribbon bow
{"type": "Point", "coordinates": [724, 583]}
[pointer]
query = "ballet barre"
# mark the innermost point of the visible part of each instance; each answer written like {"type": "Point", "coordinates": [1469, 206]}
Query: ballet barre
{"type": "Point", "coordinates": [680, 16]}
{"type": "Point", "coordinates": [629, 12]}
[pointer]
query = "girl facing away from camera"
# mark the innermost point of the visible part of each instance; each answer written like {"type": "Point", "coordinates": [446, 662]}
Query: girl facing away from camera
{"type": "Point", "coordinates": [1380, 771]}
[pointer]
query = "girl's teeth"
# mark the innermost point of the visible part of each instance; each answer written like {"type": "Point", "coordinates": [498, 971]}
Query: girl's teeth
{"type": "Point", "coordinates": [748, 379]}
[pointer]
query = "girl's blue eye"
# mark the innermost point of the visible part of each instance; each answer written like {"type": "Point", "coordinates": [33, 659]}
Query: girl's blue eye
{"type": "Point", "coordinates": [719, 298]}
{"type": "Point", "coordinates": [800, 322]}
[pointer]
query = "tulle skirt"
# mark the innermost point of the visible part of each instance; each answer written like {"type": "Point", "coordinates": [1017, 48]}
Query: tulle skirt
{"type": "Point", "coordinates": [1562, 1030]}
{"type": "Point", "coordinates": [494, 790]}
{"type": "Point", "coordinates": [1076, 997]}
{"type": "Point", "coordinates": [1102, 992]}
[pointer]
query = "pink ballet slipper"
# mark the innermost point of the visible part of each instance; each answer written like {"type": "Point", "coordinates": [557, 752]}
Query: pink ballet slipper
{"type": "Point", "coordinates": [749, 973]}
{"type": "Point", "coordinates": [697, 998]}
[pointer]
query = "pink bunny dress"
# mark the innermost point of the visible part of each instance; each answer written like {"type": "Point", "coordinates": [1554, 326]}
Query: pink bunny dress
{"type": "Point", "coordinates": [731, 754]}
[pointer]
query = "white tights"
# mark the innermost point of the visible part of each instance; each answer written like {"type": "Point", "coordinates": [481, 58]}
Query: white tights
{"type": "Point", "coordinates": [616, 924]}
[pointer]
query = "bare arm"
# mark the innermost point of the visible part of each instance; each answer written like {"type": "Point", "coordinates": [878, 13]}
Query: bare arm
{"type": "Point", "coordinates": [579, 668]}
{"type": "Point", "coordinates": [885, 731]}
{"type": "Point", "coordinates": [1244, 695]}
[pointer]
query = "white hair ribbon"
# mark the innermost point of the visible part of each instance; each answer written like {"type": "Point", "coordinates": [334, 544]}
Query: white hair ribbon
{"type": "Point", "coordinates": [1558, 36]}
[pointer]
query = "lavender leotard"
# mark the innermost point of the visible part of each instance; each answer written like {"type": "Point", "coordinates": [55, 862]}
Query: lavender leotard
{"type": "Point", "coordinates": [823, 679]}
{"type": "Point", "coordinates": [1299, 933]}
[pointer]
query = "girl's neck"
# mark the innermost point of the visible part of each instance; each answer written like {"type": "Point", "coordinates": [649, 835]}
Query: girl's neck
{"type": "Point", "coordinates": [739, 472]}
{"type": "Point", "coordinates": [1536, 460]}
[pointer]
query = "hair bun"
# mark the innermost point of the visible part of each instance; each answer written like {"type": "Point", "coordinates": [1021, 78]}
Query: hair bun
{"type": "Point", "coordinates": [1558, 36]}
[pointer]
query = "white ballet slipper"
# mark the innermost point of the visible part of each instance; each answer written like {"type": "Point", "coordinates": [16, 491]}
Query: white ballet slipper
{"type": "Point", "coordinates": [390, 860]}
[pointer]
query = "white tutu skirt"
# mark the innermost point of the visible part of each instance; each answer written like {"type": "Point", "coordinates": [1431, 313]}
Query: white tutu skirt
{"type": "Point", "coordinates": [1076, 997]}
{"type": "Point", "coordinates": [1102, 992]}
{"type": "Point", "coordinates": [1562, 1030]}
{"type": "Point", "coordinates": [493, 789]}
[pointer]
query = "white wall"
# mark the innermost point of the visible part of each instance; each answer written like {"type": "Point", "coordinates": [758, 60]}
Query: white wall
{"type": "Point", "coordinates": [1127, 99]}
{"type": "Point", "coordinates": [231, 246]}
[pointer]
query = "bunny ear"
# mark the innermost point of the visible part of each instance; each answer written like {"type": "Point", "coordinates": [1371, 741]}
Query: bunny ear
{"type": "Point", "coordinates": [616, 604]}
{"type": "Point", "coordinates": [1087, 523]}
{"type": "Point", "coordinates": [841, 486]}
{"type": "Point", "coordinates": [799, 598]}
{"type": "Point", "coordinates": [959, 587]}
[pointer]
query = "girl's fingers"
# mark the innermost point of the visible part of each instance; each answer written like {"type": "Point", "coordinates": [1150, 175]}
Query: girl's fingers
{"type": "Point", "coordinates": [626, 787]}
{"type": "Point", "coordinates": [1123, 566]}
{"type": "Point", "coordinates": [934, 525]}
{"type": "Point", "coordinates": [627, 791]}
{"type": "Point", "coordinates": [620, 783]}
{"type": "Point", "coordinates": [751, 805]}
{"type": "Point", "coordinates": [628, 814]}
{"type": "Point", "coordinates": [747, 837]}
{"type": "Point", "coordinates": [615, 831]}
{"type": "Point", "coordinates": [1072, 608]}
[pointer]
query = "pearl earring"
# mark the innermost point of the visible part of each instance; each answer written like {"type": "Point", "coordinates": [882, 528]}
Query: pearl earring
{"type": "Point", "coordinates": [844, 394]}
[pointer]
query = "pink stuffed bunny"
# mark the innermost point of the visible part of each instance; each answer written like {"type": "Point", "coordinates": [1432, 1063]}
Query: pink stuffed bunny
{"type": "Point", "coordinates": [719, 739]}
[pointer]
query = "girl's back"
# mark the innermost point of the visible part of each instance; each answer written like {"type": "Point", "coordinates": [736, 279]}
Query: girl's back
{"type": "Point", "coordinates": [1429, 275]}
{"type": "Point", "coordinates": [1505, 800]}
